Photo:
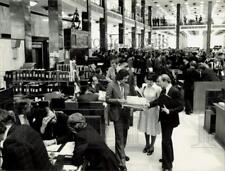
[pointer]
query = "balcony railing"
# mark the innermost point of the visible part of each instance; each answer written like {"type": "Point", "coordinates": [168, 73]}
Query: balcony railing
{"type": "Point", "coordinates": [140, 19]}
{"type": "Point", "coordinates": [129, 14]}
{"type": "Point", "coordinates": [116, 9]}
{"type": "Point", "coordinates": [97, 2]}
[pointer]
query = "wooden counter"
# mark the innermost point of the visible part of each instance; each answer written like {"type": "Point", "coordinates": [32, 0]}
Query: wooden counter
{"type": "Point", "coordinates": [220, 124]}
{"type": "Point", "coordinates": [200, 89]}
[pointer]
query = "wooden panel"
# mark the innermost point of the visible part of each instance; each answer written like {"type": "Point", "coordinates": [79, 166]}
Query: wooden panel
{"type": "Point", "coordinates": [4, 20]}
{"type": "Point", "coordinates": [200, 89]}
{"type": "Point", "coordinates": [220, 120]}
{"type": "Point", "coordinates": [39, 26]}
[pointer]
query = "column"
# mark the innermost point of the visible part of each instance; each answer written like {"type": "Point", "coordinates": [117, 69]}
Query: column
{"type": "Point", "coordinates": [163, 41]}
{"type": "Point", "coordinates": [104, 28]}
{"type": "Point", "coordinates": [142, 38]}
{"type": "Point", "coordinates": [209, 23]}
{"type": "Point", "coordinates": [150, 16]}
{"type": "Point", "coordinates": [134, 29]}
{"type": "Point", "coordinates": [122, 25]}
{"type": "Point", "coordinates": [149, 24]}
{"type": "Point", "coordinates": [55, 26]}
{"type": "Point", "coordinates": [143, 18]}
{"type": "Point", "coordinates": [149, 37]}
{"type": "Point", "coordinates": [159, 41]}
{"type": "Point", "coordinates": [89, 27]}
{"type": "Point", "coordinates": [178, 27]}
{"type": "Point", "coordinates": [20, 22]}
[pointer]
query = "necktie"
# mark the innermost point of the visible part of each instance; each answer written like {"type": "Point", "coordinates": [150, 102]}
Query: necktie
{"type": "Point", "coordinates": [163, 91]}
{"type": "Point", "coordinates": [122, 90]}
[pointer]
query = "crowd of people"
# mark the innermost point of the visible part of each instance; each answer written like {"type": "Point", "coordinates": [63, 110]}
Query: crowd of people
{"type": "Point", "coordinates": [197, 20]}
{"type": "Point", "coordinates": [158, 74]}
{"type": "Point", "coordinates": [159, 21]}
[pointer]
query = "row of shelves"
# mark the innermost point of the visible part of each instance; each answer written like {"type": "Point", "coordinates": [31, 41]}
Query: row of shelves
{"type": "Point", "coordinates": [34, 88]}
{"type": "Point", "coordinates": [36, 75]}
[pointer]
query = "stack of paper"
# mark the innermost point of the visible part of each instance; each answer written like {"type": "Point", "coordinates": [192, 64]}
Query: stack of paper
{"type": "Point", "coordinates": [135, 100]}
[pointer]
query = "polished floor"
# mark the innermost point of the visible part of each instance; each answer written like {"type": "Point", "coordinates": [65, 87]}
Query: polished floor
{"type": "Point", "coordinates": [194, 148]}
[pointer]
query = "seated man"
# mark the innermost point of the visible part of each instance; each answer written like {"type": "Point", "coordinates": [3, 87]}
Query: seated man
{"type": "Point", "coordinates": [51, 125]}
{"type": "Point", "coordinates": [87, 96]}
{"type": "Point", "coordinates": [23, 148]}
{"type": "Point", "coordinates": [94, 85]}
{"type": "Point", "coordinates": [23, 113]}
{"type": "Point", "coordinates": [90, 146]}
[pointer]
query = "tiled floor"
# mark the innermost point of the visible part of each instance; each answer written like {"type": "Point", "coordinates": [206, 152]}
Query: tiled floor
{"type": "Point", "coordinates": [194, 148]}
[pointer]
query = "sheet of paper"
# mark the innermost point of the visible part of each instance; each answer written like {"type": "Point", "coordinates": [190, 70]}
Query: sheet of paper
{"type": "Point", "coordinates": [69, 168]}
{"type": "Point", "coordinates": [135, 100]}
{"type": "Point", "coordinates": [53, 148]}
{"type": "Point", "coordinates": [67, 150]}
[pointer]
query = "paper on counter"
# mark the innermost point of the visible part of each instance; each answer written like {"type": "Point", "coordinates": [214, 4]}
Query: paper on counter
{"type": "Point", "coordinates": [68, 148]}
{"type": "Point", "coordinates": [53, 148]}
{"type": "Point", "coordinates": [70, 168]}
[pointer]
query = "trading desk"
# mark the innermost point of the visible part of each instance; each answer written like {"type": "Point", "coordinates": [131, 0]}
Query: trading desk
{"type": "Point", "coordinates": [61, 155]}
{"type": "Point", "coordinates": [220, 122]}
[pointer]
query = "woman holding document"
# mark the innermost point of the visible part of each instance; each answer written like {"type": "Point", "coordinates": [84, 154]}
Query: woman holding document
{"type": "Point", "coordinates": [148, 121]}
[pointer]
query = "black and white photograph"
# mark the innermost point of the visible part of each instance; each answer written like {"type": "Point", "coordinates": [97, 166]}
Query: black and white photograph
{"type": "Point", "coordinates": [112, 85]}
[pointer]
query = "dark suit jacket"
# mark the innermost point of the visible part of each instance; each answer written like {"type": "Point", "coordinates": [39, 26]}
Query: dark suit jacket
{"type": "Point", "coordinates": [209, 75]}
{"type": "Point", "coordinates": [174, 102]}
{"type": "Point", "coordinates": [97, 88]}
{"type": "Point", "coordinates": [24, 149]}
{"type": "Point", "coordinates": [59, 130]}
{"type": "Point", "coordinates": [90, 145]}
{"type": "Point", "coordinates": [190, 76]}
{"type": "Point", "coordinates": [112, 93]}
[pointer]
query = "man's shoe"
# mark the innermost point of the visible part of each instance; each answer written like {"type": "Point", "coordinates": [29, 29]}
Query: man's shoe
{"type": "Point", "coordinates": [127, 158]}
{"type": "Point", "coordinates": [165, 169]}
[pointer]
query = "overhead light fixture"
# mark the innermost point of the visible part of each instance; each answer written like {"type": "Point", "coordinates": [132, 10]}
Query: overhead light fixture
{"type": "Point", "coordinates": [33, 3]}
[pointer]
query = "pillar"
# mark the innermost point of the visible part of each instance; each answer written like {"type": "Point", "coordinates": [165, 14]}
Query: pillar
{"type": "Point", "coordinates": [159, 41]}
{"type": "Point", "coordinates": [134, 29]}
{"type": "Point", "coordinates": [89, 27]}
{"type": "Point", "coordinates": [122, 25]}
{"type": "Point", "coordinates": [55, 25]}
{"type": "Point", "coordinates": [149, 37]}
{"type": "Point", "coordinates": [104, 28]}
{"type": "Point", "coordinates": [149, 24]}
{"type": "Point", "coordinates": [150, 16]}
{"type": "Point", "coordinates": [20, 22]}
{"type": "Point", "coordinates": [142, 38]}
{"type": "Point", "coordinates": [209, 23]}
{"type": "Point", "coordinates": [143, 18]}
{"type": "Point", "coordinates": [178, 27]}
{"type": "Point", "coordinates": [163, 41]}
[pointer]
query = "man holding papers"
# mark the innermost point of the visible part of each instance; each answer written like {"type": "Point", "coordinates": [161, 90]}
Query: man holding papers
{"type": "Point", "coordinates": [171, 103]}
{"type": "Point", "coordinates": [116, 93]}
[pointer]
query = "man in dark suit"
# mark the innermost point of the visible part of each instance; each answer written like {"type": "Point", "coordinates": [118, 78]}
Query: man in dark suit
{"type": "Point", "coordinates": [87, 96]}
{"type": "Point", "coordinates": [171, 103]}
{"type": "Point", "coordinates": [51, 125]}
{"type": "Point", "coordinates": [90, 146]}
{"type": "Point", "coordinates": [115, 95]}
{"type": "Point", "coordinates": [23, 148]}
{"type": "Point", "coordinates": [94, 85]}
